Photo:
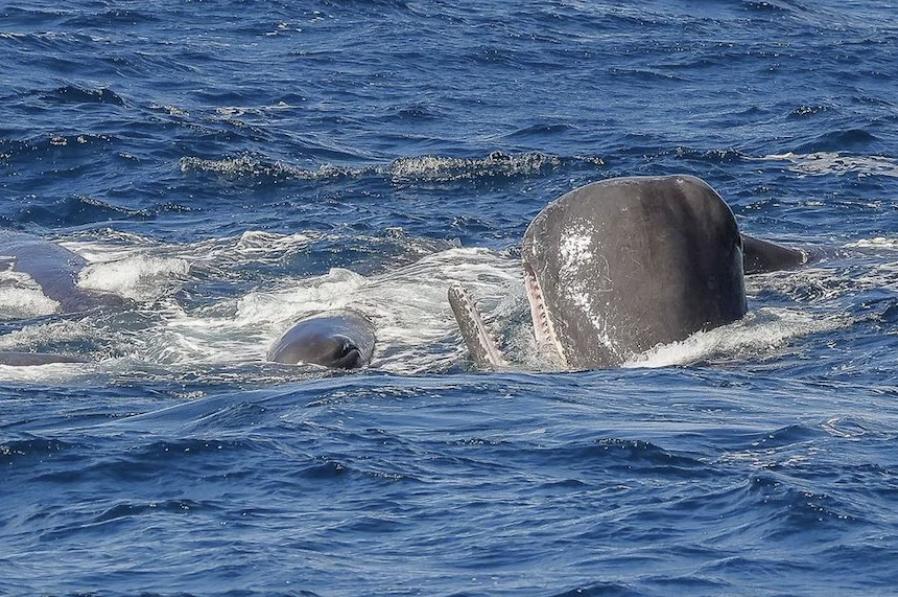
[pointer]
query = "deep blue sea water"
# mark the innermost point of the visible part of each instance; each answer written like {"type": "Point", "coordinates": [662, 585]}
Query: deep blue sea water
{"type": "Point", "coordinates": [231, 166]}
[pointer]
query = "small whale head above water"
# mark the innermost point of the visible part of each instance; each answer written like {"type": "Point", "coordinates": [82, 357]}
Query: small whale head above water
{"type": "Point", "coordinates": [339, 340]}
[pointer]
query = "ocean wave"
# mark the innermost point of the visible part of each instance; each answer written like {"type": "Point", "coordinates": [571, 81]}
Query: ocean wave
{"type": "Point", "coordinates": [36, 447]}
{"type": "Point", "coordinates": [258, 243]}
{"type": "Point", "coordinates": [774, 6]}
{"type": "Point", "coordinates": [823, 163]}
{"type": "Point", "coordinates": [115, 17]}
{"type": "Point", "coordinates": [253, 167]}
{"type": "Point", "coordinates": [59, 374]}
{"type": "Point", "coordinates": [628, 452]}
{"type": "Point", "coordinates": [22, 298]}
{"type": "Point", "coordinates": [36, 148]}
{"type": "Point", "coordinates": [75, 211]}
{"type": "Point", "coordinates": [878, 242]}
{"type": "Point", "coordinates": [806, 285]}
{"type": "Point", "coordinates": [823, 286]}
{"type": "Point", "coordinates": [837, 141]}
{"type": "Point", "coordinates": [446, 169]}
{"type": "Point", "coordinates": [84, 95]}
{"type": "Point", "coordinates": [39, 335]}
{"type": "Point", "coordinates": [806, 111]}
{"type": "Point", "coordinates": [428, 168]}
{"type": "Point", "coordinates": [717, 156]}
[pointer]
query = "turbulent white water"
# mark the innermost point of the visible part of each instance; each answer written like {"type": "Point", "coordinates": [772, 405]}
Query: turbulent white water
{"type": "Point", "coordinates": [762, 333]}
{"type": "Point", "coordinates": [415, 328]}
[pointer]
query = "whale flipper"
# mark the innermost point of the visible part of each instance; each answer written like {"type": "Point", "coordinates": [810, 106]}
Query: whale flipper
{"type": "Point", "coordinates": [762, 256]}
{"type": "Point", "coordinates": [480, 343]}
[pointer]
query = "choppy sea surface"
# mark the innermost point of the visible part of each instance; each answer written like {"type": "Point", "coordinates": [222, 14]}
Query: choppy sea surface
{"type": "Point", "coordinates": [231, 167]}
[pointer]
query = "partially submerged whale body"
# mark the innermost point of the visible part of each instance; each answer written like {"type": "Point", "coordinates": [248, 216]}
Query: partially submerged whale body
{"type": "Point", "coordinates": [617, 267]}
{"type": "Point", "coordinates": [340, 340]}
{"type": "Point", "coordinates": [15, 358]}
{"type": "Point", "coordinates": [55, 269]}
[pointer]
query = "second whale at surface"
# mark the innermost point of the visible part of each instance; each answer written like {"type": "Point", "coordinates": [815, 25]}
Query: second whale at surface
{"type": "Point", "coordinates": [339, 339]}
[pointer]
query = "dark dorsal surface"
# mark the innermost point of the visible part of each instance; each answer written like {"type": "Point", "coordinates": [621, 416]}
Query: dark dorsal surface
{"type": "Point", "coordinates": [761, 256]}
{"type": "Point", "coordinates": [341, 339]}
{"type": "Point", "coordinates": [54, 268]}
{"type": "Point", "coordinates": [619, 266]}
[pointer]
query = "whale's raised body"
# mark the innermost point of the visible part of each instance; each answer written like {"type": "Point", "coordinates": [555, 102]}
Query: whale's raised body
{"type": "Point", "coordinates": [616, 267]}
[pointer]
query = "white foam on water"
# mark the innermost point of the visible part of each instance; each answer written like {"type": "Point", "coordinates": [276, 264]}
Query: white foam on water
{"type": "Point", "coordinates": [140, 277]}
{"type": "Point", "coordinates": [814, 284]}
{"type": "Point", "coordinates": [442, 168]}
{"type": "Point", "coordinates": [52, 373]}
{"type": "Point", "coordinates": [427, 168]}
{"type": "Point", "coordinates": [21, 297]}
{"type": "Point", "coordinates": [129, 265]}
{"type": "Point", "coordinates": [828, 283]}
{"type": "Point", "coordinates": [39, 333]}
{"type": "Point", "coordinates": [408, 306]}
{"type": "Point", "coordinates": [253, 242]}
{"type": "Point", "coordinates": [822, 163]}
{"type": "Point", "coordinates": [757, 334]}
{"type": "Point", "coordinates": [250, 166]}
{"type": "Point", "coordinates": [879, 242]}
{"type": "Point", "coordinates": [112, 246]}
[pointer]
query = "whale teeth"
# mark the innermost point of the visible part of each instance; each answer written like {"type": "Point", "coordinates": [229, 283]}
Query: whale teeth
{"type": "Point", "coordinates": [542, 324]}
{"type": "Point", "coordinates": [481, 342]}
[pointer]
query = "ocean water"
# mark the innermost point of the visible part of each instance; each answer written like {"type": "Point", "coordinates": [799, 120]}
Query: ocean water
{"type": "Point", "coordinates": [232, 166]}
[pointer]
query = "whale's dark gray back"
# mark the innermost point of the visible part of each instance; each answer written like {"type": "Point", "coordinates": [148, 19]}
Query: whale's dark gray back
{"type": "Point", "coordinates": [619, 266]}
{"type": "Point", "coordinates": [339, 339]}
{"type": "Point", "coordinates": [54, 268]}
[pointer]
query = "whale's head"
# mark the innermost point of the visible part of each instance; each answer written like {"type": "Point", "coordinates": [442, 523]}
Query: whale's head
{"type": "Point", "coordinates": [616, 267]}
{"type": "Point", "coordinates": [339, 340]}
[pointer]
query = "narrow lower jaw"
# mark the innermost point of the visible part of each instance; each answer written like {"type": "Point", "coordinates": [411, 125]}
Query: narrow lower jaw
{"type": "Point", "coordinates": [546, 339]}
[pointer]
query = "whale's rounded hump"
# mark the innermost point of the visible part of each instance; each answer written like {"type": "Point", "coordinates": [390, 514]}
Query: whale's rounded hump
{"type": "Point", "coordinates": [622, 265]}
{"type": "Point", "coordinates": [340, 339]}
